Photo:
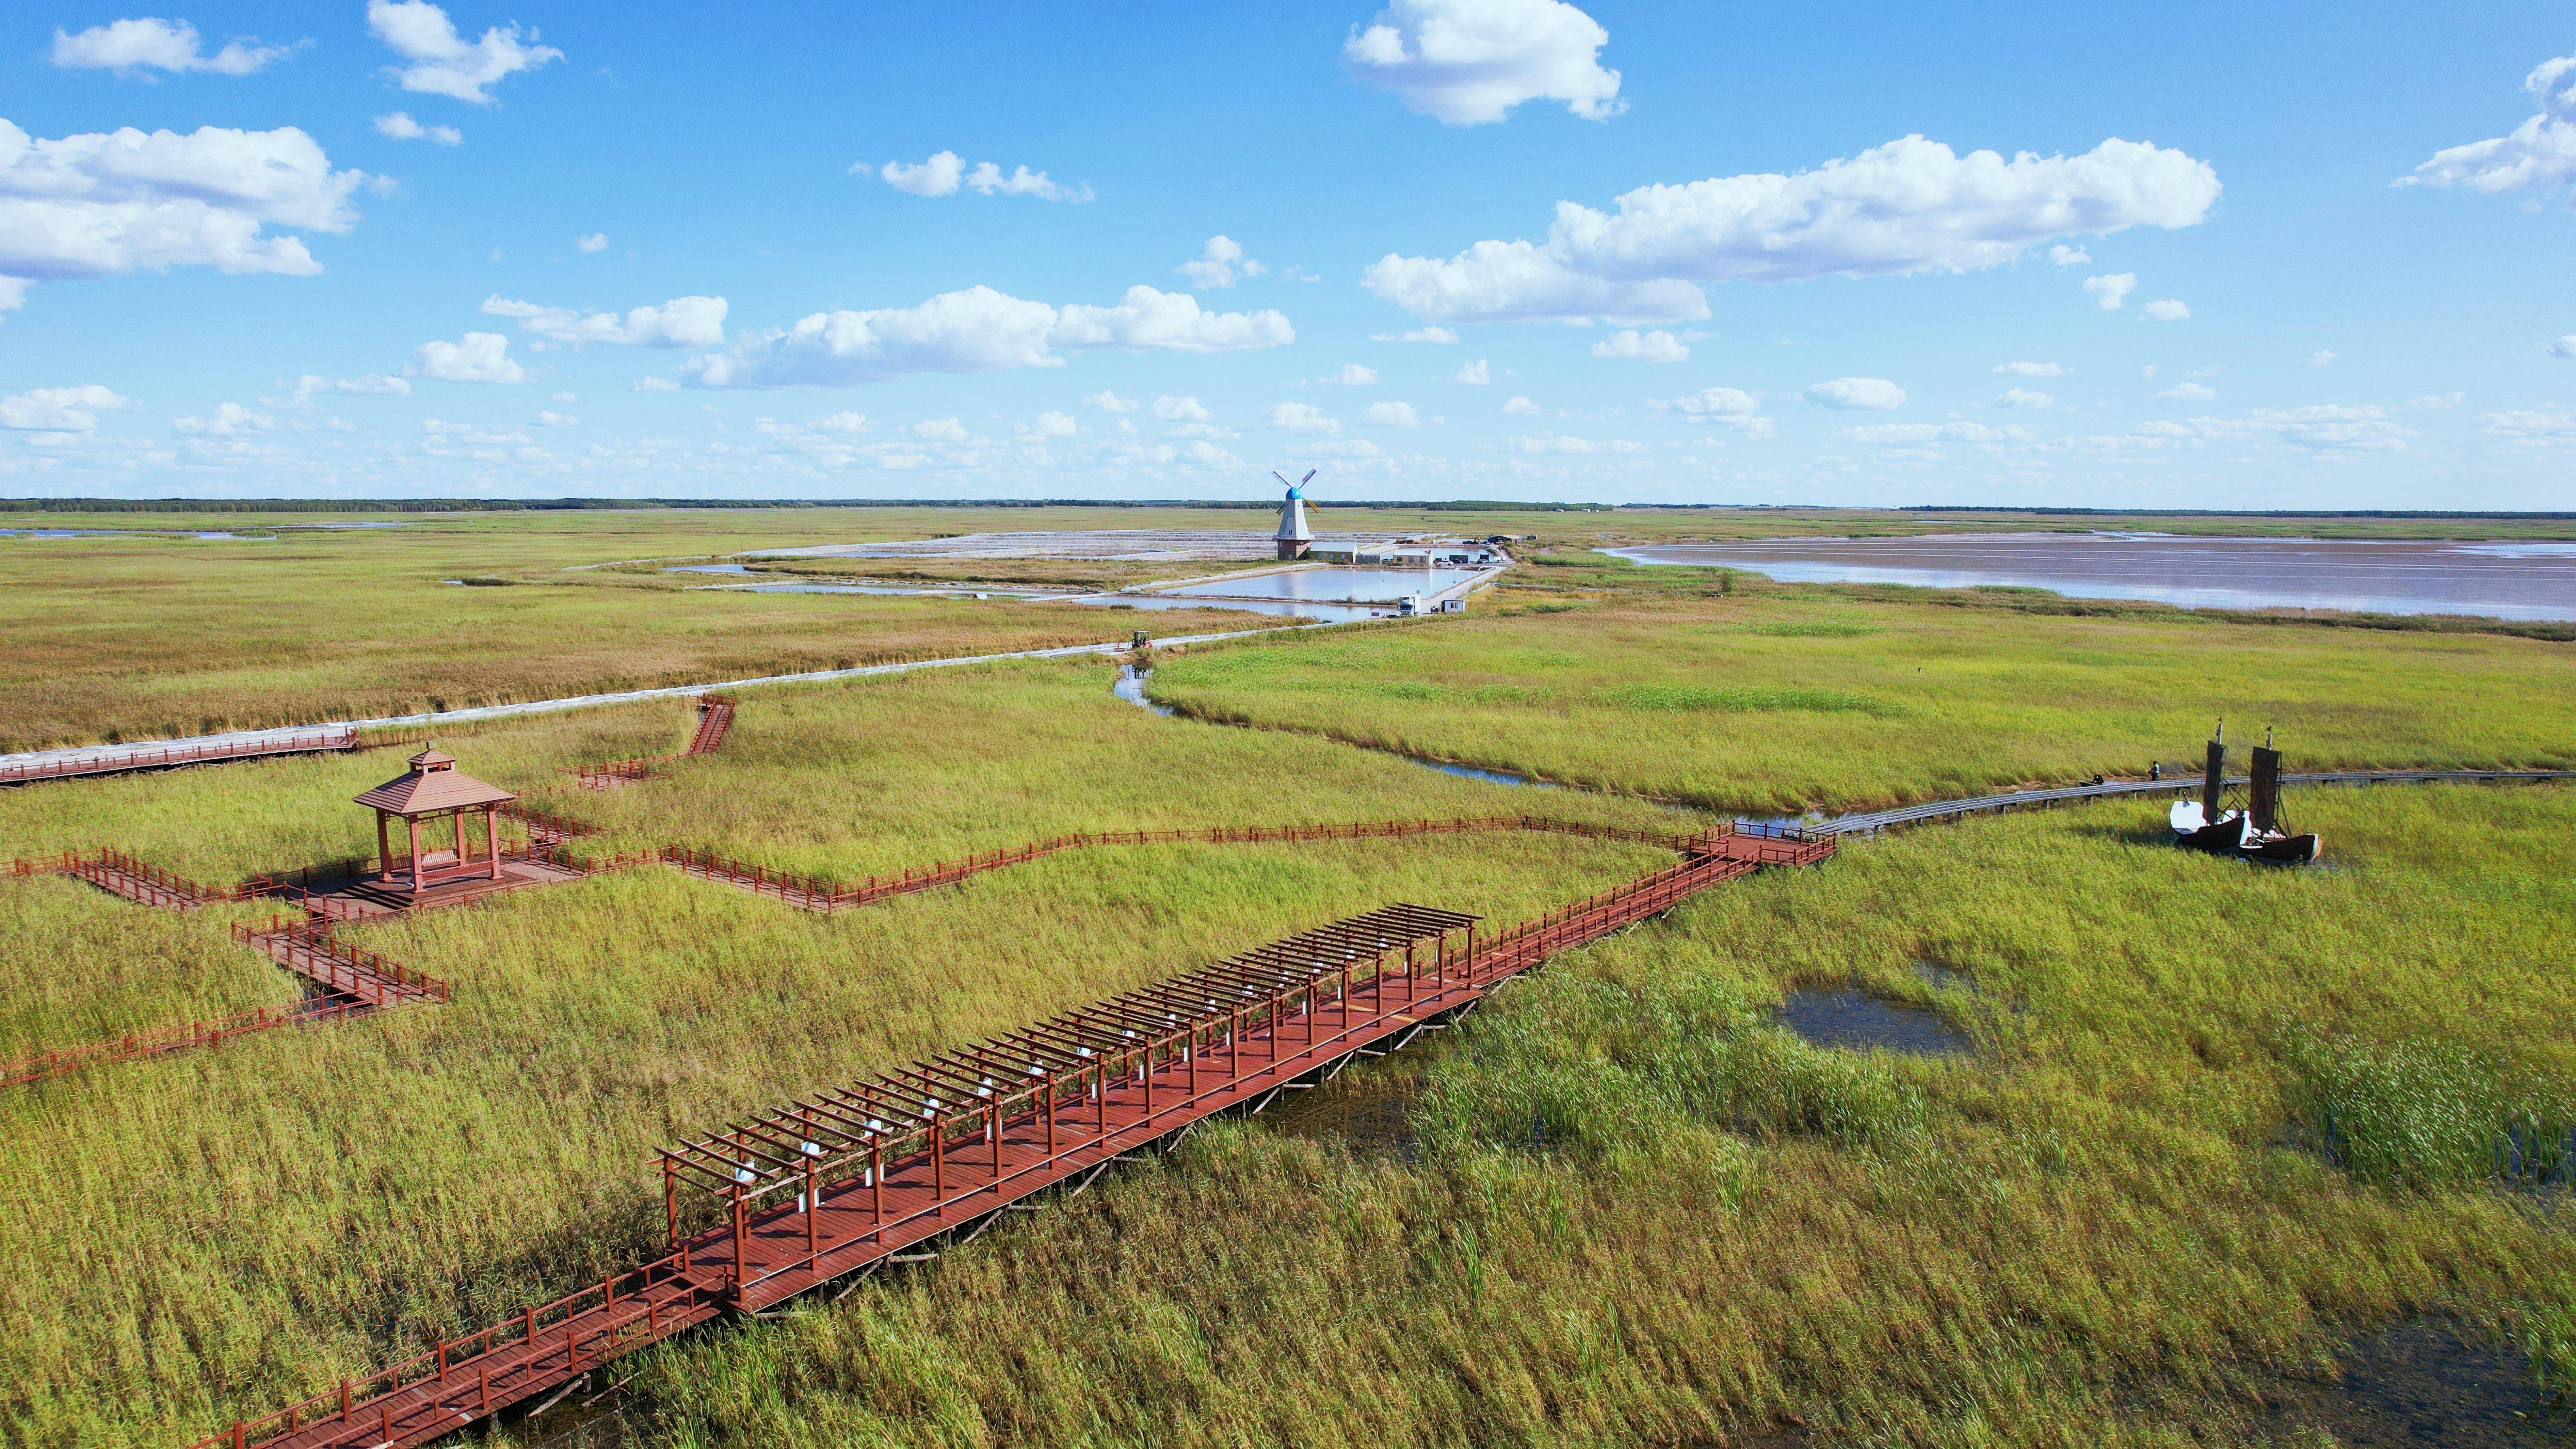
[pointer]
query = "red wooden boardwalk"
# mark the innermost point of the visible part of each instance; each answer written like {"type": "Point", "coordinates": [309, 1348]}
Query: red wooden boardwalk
{"type": "Point", "coordinates": [854, 1177]}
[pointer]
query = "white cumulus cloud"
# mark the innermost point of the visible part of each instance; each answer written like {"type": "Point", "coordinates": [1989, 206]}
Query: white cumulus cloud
{"type": "Point", "coordinates": [549, 418]}
{"type": "Point", "coordinates": [1911, 205]}
{"type": "Point", "coordinates": [2016, 397]}
{"type": "Point", "coordinates": [136, 46]}
{"type": "Point", "coordinates": [1874, 394]}
{"type": "Point", "coordinates": [2108, 292]}
{"type": "Point", "coordinates": [399, 126]}
{"type": "Point", "coordinates": [440, 62]}
{"type": "Point", "coordinates": [1052, 425]}
{"type": "Point", "coordinates": [655, 384]}
{"type": "Point", "coordinates": [231, 420]}
{"type": "Point", "coordinates": [595, 242]}
{"type": "Point", "coordinates": [977, 330]}
{"type": "Point", "coordinates": [1475, 374]}
{"type": "Point", "coordinates": [2322, 358]}
{"type": "Point", "coordinates": [1391, 415]}
{"type": "Point", "coordinates": [843, 422]}
{"type": "Point", "coordinates": [480, 357]}
{"type": "Point", "coordinates": [59, 409]}
{"type": "Point", "coordinates": [2539, 154]}
{"type": "Point", "coordinates": [1353, 375]}
{"type": "Point", "coordinates": [1650, 347]}
{"type": "Point", "coordinates": [2564, 347]}
{"type": "Point", "coordinates": [2067, 256]}
{"type": "Point", "coordinates": [102, 203]}
{"type": "Point", "coordinates": [373, 384]}
{"type": "Point", "coordinates": [1471, 61]}
{"type": "Point", "coordinates": [1522, 407]}
{"type": "Point", "coordinates": [945, 172]}
{"type": "Point", "coordinates": [1110, 402]}
{"type": "Point", "coordinates": [2531, 429]}
{"type": "Point", "coordinates": [1559, 443]}
{"type": "Point", "coordinates": [1917, 435]}
{"type": "Point", "coordinates": [680, 322]}
{"type": "Point", "coordinates": [2168, 310]}
{"type": "Point", "coordinates": [1728, 407]}
{"type": "Point", "coordinates": [2189, 392]}
{"type": "Point", "coordinates": [1424, 334]}
{"type": "Point", "coordinates": [1297, 417]}
{"type": "Point", "coordinates": [1219, 263]}
{"type": "Point", "coordinates": [2030, 369]}
{"type": "Point", "coordinates": [1181, 410]}
{"type": "Point", "coordinates": [2326, 428]}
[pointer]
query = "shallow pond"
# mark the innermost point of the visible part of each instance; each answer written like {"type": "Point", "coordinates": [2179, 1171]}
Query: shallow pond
{"type": "Point", "coordinates": [2518, 580]}
{"type": "Point", "coordinates": [1851, 1018]}
{"type": "Point", "coordinates": [2423, 1383]}
{"type": "Point", "coordinates": [1331, 584]}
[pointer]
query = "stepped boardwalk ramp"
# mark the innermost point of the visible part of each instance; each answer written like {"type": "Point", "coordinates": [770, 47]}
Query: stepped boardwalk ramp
{"type": "Point", "coordinates": [851, 1178]}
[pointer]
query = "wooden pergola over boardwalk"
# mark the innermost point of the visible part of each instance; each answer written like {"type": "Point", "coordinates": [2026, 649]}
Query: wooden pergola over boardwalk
{"type": "Point", "coordinates": [431, 788]}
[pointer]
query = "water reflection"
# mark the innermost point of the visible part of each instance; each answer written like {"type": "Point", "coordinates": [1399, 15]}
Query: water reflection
{"type": "Point", "coordinates": [2508, 580]}
{"type": "Point", "coordinates": [1367, 1110]}
{"type": "Point", "coordinates": [1849, 1017]}
{"type": "Point", "coordinates": [2422, 1383]}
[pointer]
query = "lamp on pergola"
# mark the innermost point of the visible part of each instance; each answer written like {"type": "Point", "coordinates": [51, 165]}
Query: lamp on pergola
{"type": "Point", "coordinates": [431, 788]}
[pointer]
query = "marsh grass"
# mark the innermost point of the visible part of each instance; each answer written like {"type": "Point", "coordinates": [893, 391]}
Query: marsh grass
{"type": "Point", "coordinates": [1768, 702]}
{"type": "Point", "coordinates": [2086, 1234]}
{"type": "Point", "coordinates": [84, 966]}
{"type": "Point", "coordinates": [2416, 1114]}
{"type": "Point", "coordinates": [252, 1223]}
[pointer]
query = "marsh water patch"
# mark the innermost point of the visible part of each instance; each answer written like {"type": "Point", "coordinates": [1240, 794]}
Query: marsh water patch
{"type": "Point", "coordinates": [1851, 1018]}
{"type": "Point", "coordinates": [2513, 580]}
{"type": "Point", "coordinates": [1368, 1110]}
{"type": "Point", "coordinates": [2429, 1383]}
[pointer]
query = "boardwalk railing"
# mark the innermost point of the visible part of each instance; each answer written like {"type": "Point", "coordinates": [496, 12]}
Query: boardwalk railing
{"type": "Point", "coordinates": [173, 1038]}
{"type": "Point", "coordinates": [115, 762]}
{"type": "Point", "coordinates": [715, 719]}
{"type": "Point", "coordinates": [304, 945]}
{"type": "Point", "coordinates": [853, 1175]}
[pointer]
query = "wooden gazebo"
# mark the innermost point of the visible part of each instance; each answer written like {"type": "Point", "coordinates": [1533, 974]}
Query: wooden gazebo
{"type": "Point", "coordinates": [431, 788]}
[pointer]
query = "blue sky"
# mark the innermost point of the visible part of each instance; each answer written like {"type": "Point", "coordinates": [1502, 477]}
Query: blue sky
{"type": "Point", "coordinates": [1690, 251]}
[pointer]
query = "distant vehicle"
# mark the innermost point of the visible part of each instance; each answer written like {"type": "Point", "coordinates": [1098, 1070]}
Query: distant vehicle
{"type": "Point", "coordinates": [1408, 606]}
{"type": "Point", "coordinates": [2260, 831]}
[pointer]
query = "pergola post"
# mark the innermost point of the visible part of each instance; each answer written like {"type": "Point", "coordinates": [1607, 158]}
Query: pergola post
{"type": "Point", "coordinates": [412, 822]}
{"type": "Point", "coordinates": [492, 837]}
{"type": "Point", "coordinates": [384, 847]}
{"type": "Point", "coordinates": [461, 855]}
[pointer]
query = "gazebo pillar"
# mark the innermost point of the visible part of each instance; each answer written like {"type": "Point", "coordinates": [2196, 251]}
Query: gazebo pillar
{"type": "Point", "coordinates": [492, 837]}
{"type": "Point", "coordinates": [461, 856]}
{"type": "Point", "coordinates": [384, 847]}
{"type": "Point", "coordinates": [413, 823]}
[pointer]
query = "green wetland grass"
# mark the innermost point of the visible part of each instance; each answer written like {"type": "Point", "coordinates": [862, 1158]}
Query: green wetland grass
{"type": "Point", "coordinates": [1643, 1213]}
{"type": "Point", "coordinates": [214, 1233]}
{"type": "Point", "coordinates": [1784, 700]}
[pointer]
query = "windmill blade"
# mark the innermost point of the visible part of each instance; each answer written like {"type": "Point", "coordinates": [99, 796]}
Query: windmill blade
{"type": "Point", "coordinates": [1284, 482]}
{"type": "Point", "coordinates": [1309, 478]}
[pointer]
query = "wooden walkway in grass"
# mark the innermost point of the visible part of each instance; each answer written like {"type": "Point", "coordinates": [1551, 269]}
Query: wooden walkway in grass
{"type": "Point", "coordinates": [1873, 822]}
{"type": "Point", "coordinates": [850, 1178]}
{"type": "Point", "coordinates": [89, 763]}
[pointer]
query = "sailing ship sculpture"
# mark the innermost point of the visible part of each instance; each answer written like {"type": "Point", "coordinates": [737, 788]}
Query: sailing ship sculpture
{"type": "Point", "coordinates": [2259, 831]}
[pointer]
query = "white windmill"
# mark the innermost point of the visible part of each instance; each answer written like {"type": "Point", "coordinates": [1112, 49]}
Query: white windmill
{"type": "Point", "coordinates": [1294, 536]}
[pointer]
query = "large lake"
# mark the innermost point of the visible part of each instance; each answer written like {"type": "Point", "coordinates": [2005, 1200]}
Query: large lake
{"type": "Point", "coordinates": [2517, 580]}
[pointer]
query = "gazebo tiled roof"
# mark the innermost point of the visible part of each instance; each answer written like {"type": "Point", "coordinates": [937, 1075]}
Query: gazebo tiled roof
{"type": "Point", "coordinates": [433, 785]}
